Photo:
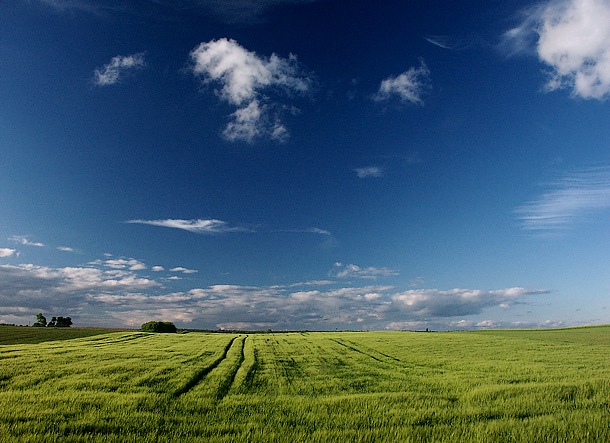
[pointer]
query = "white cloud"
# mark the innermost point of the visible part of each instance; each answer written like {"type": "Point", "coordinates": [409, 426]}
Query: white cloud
{"type": "Point", "coordinates": [157, 268]}
{"type": "Point", "coordinates": [572, 37]}
{"type": "Point", "coordinates": [243, 75]}
{"type": "Point", "coordinates": [408, 86]}
{"type": "Point", "coordinates": [446, 42]}
{"type": "Point", "coordinates": [369, 171]}
{"type": "Point", "coordinates": [214, 226]}
{"type": "Point", "coordinates": [121, 263]}
{"type": "Point", "coordinates": [113, 71]}
{"type": "Point", "coordinates": [198, 226]}
{"type": "Point", "coordinates": [354, 271]}
{"type": "Point", "coordinates": [456, 302]}
{"type": "Point", "coordinates": [575, 197]}
{"type": "Point", "coordinates": [25, 240]}
{"type": "Point", "coordinates": [183, 270]}
{"type": "Point", "coordinates": [7, 252]}
{"type": "Point", "coordinates": [66, 249]}
{"type": "Point", "coordinates": [101, 295]}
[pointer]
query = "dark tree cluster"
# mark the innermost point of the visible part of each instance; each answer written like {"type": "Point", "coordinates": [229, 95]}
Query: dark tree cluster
{"type": "Point", "coordinates": [56, 322]}
{"type": "Point", "coordinates": [159, 326]}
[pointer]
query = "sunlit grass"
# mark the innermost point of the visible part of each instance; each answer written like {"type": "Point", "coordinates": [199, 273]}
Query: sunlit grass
{"type": "Point", "coordinates": [527, 386]}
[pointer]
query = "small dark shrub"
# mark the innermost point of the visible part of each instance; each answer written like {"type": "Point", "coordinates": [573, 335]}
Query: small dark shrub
{"type": "Point", "coordinates": [159, 326]}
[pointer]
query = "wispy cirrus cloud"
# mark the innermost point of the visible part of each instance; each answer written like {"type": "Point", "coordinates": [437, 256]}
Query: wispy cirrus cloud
{"type": "Point", "coordinates": [574, 198]}
{"type": "Point", "coordinates": [409, 86]}
{"type": "Point", "coordinates": [369, 171]}
{"type": "Point", "coordinates": [113, 72]}
{"type": "Point", "coordinates": [572, 37]}
{"type": "Point", "coordinates": [25, 241]}
{"type": "Point", "coordinates": [243, 76]}
{"type": "Point", "coordinates": [229, 11]}
{"type": "Point", "coordinates": [198, 226]}
{"type": "Point", "coordinates": [448, 42]}
{"type": "Point", "coordinates": [214, 226]}
{"type": "Point", "coordinates": [341, 270]}
{"type": "Point", "coordinates": [242, 11]}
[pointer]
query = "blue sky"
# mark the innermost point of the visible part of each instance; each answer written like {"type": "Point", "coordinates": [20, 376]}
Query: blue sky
{"type": "Point", "coordinates": [293, 164]}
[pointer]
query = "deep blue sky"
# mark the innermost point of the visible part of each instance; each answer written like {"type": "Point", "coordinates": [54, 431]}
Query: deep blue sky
{"type": "Point", "coordinates": [305, 164]}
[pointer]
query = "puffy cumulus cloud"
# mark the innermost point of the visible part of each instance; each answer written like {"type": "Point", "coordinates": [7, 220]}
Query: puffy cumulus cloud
{"type": "Point", "coordinates": [354, 271]}
{"type": "Point", "coordinates": [281, 307]}
{"type": "Point", "coordinates": [577, 196]}
{"type": "Point", "coordinates": [456, 302]}
{"type": "Point", "coordinates": [7, 252]}
{"type": "Point", "coordinates": [112, 72]}
{"type": "Point", "coordinates": [572, 37]}
{"type": "Point", "coordinates": [369, 171]}
{"type": "Point", "coordinates": [110, 293]}
{"type": "Point", "coordinates": [409, 86]}
{"type": "Point", "coordinates": [198, 226]}
{"type": "Point", "coordinates": [243, 76]}
{"type": "Point", "coordinates": [65, 289]}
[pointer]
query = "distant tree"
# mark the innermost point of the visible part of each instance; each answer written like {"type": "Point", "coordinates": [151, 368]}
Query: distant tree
{"type": "Point", "coordinates": [63, 322]}
{"type": "Point", "coordinates": [52, 323]}
{"type": "Point", "coordinates": [41, 321]}
{"type": "Point", "coordinates": [159, 326]}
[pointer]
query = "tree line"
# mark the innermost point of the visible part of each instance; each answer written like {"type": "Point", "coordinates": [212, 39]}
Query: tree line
{"type": "Point", "coordinates": [56, 322]}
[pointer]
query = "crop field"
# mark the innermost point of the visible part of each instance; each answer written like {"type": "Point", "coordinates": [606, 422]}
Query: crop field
{"type": "Point", "coordinates": [523, 386]}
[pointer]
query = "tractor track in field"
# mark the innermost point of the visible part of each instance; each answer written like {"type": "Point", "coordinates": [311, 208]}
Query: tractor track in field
{"type": "Point", "coordinates": [225, 387]}
{"type": "Point", "coordinates": [353, 348]}
{"type": "Point", "coordinates": [200, 375]}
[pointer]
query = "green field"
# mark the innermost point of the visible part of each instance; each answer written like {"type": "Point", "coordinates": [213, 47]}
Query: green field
{"type": "Point", "coordinates": [491, 386]}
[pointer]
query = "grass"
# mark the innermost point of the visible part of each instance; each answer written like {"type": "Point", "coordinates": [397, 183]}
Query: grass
{"type": "Point", "coordinates": [521, 386]}
{"type": "Point", "coordinates": [11, 335]}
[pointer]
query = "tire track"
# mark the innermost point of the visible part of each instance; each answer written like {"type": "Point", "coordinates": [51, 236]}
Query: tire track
{"type": "Point", "coordinates": [225, 386]}
{"type": "Point", "coordinates": [368, 354]}
{"type": "Point", "coordinates": [249, 379]}
{"type": "Point", "coordinates": [200, 375]}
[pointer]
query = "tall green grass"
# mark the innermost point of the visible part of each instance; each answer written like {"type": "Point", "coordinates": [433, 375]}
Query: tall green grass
{"type": "Point", "coordinates": [12, 335]}
{"type": "Point", "coordinates": [523, 386]}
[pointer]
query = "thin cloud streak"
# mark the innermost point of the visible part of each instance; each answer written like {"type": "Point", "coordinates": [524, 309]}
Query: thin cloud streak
{"type": "Point", "coordinates": [574, 198]}
{"type": "Point", "coordinates": [214, 226]}
{"type": "Point", "coordinates": [354, 271]}
{"type": "Point", "coordinates": [198, 226]}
